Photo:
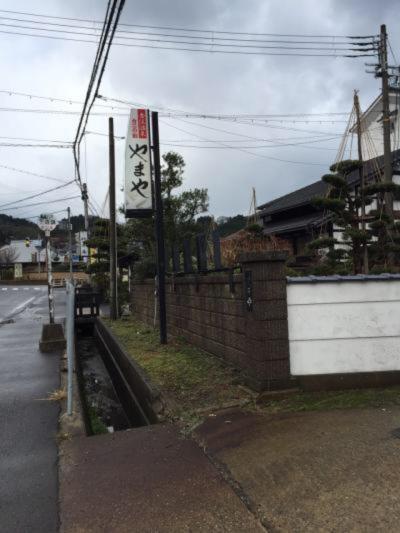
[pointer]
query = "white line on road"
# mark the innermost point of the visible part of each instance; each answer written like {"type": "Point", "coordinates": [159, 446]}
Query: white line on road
{"type": "Point", "coordinates": [21, 306]}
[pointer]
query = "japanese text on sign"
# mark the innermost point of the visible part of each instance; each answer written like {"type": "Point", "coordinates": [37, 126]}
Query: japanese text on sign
{"type": "Point", "coordinates": [138, 194]}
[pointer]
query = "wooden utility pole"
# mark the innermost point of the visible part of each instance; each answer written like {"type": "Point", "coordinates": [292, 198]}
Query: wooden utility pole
{"type": "Point", "coordinates": [362, 181]}
{"type": "Point", "coordinates": [113, 226]}
{"type": "Point", "coordinates": [85, 198]}
{"type": "Point", "coordinates": [159, 228]}
{"type": "Point", "coordinates": [387, 153]}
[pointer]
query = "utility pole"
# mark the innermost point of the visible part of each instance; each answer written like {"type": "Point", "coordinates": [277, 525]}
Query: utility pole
{"type": "Point", "coordinates": [71, 275]}
{"type": "Point", "coordinates": [362, 180]}
{"type": "Point", "coordinates": [387, 153]}
{"type": "Point", "coordinates": [159, 220]}
{"type": "Point", "coordinates": [113, 226]}
{"type": "Point", "coordinates": [85, 198]}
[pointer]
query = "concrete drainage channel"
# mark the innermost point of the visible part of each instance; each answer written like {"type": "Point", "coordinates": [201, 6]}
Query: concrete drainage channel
{"type": "Point", "coordinates": [115, 394]}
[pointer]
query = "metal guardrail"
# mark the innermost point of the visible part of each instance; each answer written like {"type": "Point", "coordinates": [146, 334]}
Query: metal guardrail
{"type": "Point", "coordinates": [70, 334]}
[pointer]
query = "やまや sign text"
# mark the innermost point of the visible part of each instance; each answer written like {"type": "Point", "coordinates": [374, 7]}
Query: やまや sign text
{"type": "Point", "coordinates": [138, 190]}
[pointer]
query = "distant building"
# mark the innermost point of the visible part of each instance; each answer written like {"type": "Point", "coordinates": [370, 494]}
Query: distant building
{"type": "Point", "coordinates": [82, 251]}
{"type": "Point", "coordinates": [23, 251]}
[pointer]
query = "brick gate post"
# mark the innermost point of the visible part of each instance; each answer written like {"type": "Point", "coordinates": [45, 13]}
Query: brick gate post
{"type": "Point", "coordinates": [265, 324]}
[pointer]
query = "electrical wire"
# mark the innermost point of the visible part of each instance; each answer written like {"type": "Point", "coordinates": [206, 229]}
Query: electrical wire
{"type": "Point", "coordinates": [186, 49]}
{"type": "Point", "coordinates": [211, 36]}
{"type": "Point", "coordinates": [41, 203]}
{"type": "Point", "coordinates": [39, 15]}
{"type": "Point", "coordinates": [38, 194]}
{"type": "Point", "coordinates": [36, 145]}
{"type": "Point", "coordinates": [29, 173]}
{"type": "Point", "coordinates": [35, 140]}
{"type": "Point", "coordinates": [248, 152]}
{"type": "Point", "coordinates": [333, 47]}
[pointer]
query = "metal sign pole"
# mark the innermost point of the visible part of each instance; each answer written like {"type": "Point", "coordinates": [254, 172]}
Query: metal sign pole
{"type": "Point", "coordinates": [47, 223]}
{"type": "Point", "coordinates": [159, 219]}
{"type": "Point", "coordinates": [71, 271]}
{"type": "Point", "coordinates": [49, 278]}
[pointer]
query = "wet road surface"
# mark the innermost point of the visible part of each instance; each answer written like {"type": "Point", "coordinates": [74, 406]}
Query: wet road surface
{"type": "Point", "coordinates": [28, 422]}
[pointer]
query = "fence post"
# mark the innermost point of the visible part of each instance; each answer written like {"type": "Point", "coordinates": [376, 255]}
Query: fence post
{"type": "Point", "coordinates": [201, 252]}
{"type": "Point", "coordinates": [187, 256]}
{"type": "Point", "coordinates": [216, 249]}
{"type": "Point", "coordinates": [265, 325]}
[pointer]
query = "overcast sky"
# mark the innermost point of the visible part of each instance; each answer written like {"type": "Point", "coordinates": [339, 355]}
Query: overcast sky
{"type": "Point", "coordinates": [196, 82]}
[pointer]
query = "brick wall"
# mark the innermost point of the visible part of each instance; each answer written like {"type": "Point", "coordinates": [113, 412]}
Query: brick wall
{"type": "Point", "coordinates": [211, 311]}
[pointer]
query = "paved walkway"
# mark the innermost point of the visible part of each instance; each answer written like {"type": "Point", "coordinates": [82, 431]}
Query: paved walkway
{"type": "Point", "coordinates": [28, 423]}
{"type": "Point", "coordinates": [146, 480]}
{"type": "Point", "coordinates": [335, 471]}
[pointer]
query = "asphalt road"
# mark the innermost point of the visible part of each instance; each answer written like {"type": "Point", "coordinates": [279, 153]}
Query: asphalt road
{"type": "Point", "coordinates": [28, 421]}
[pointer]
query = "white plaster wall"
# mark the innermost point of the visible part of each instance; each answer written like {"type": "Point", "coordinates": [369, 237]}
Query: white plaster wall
{"type": "Point", "coordinates": [344, 326]}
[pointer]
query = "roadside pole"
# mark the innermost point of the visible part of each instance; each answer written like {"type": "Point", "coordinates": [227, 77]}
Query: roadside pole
{"type": "Point", "coordinates": [113, 226]}
{"type": "Point", "coordinates": [52, 334]}
{"type": "Point", "coordinates": [159, 222]}
{"type": "Point", "coordinates": [47, 223]}
{"type": "Point", "coordinates": [49, 278]}
{"type": "Point", "coordinates": [71, 275]}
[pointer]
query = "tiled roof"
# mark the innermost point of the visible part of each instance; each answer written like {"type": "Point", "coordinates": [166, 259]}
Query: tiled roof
{"type": "Point", "coordinates": [293, 224]}
{"type": "Point", "coordinates": [306, 194]}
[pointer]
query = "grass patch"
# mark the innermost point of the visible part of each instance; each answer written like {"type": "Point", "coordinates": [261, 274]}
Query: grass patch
{"type": "Point", "coordinates": [191, 380]}
{"type": "Point", "coordinates": [96, 424]}
{"type": "Point", "coordinates": [323, 401]}
{"type": "Point", "coordinates": [194, 383]}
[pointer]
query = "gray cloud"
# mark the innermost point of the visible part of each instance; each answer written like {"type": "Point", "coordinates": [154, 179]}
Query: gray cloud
{"type": "Point", "coordinates": [197, 82]}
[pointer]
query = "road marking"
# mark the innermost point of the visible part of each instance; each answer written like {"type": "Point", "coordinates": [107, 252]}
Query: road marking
{"type": "Point", "coordinates": [21, 306]}
{"type": "Point", "coordinates": [15, 289]}
{"type": "Point", "coordinates": [4, 288]}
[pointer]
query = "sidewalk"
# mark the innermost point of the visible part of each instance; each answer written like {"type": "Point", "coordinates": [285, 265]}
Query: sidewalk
{"type": "Point", "coordinates": [146, 480]}
{"type": "Point", "coordinates": [317, 471]}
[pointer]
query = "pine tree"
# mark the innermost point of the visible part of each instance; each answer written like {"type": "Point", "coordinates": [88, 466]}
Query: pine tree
{"type": "Point", "coordinates": [344, 202]}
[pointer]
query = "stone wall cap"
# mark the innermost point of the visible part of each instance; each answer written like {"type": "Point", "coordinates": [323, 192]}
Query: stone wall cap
{"type": "Point", "coordinates": [259, 257]}
{"type": "Point", "coordinates": [337, 278]}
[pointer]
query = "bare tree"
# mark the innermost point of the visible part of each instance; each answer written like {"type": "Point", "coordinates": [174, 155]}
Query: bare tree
{"type": "Point", "coordinates": [8, 255]}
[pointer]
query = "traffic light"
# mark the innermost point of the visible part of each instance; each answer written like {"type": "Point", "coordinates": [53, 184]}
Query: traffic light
{"type": "Point", "coordinates": [27, 242]}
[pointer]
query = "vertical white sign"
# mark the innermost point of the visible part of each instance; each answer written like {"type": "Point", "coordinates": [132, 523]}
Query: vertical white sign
{"type": "Point", "coordinates": [138, 193]}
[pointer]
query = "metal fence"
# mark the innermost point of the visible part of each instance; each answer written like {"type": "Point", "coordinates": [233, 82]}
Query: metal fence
{"type": "Point", "coordinates": [70, 334]}
{"type": "Point", "coordinates": [206, 250]}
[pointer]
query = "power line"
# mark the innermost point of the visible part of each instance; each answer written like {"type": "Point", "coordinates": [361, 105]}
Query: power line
{"type": "Point", "coordinates": [41, 203]}
{"type": "Point", "coordinates": [210, 37]}
{"type": "Point", "coordinates": [35, 140]}
{"type": "Point", "coordinates": [38, 215]}
{"type": "Point", "coordinates": [36, 145]}
{"type": "Point", "coordinates": [29, 173]}
{"type": "Point", "coordinates": [37, 194]}
{"type": "Point", "coordinates": [106, 39]}
{"type": "Point", "coordinates": [215, 41]}
{"type": "Point", "coordinates": [248, 152]}
{"type": "Point", "coordinates": [186, 49]}
{"type": "Point", "coordinates": [213, 31]}
{"type": "Point", "coordinates": [55, 99]}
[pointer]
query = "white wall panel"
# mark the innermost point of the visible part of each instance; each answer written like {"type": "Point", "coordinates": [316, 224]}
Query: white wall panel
{"type": "Point", "coordinates": [344, 326]}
